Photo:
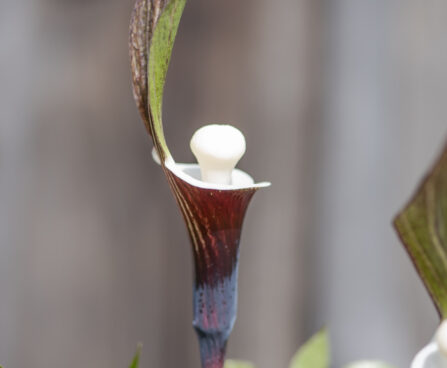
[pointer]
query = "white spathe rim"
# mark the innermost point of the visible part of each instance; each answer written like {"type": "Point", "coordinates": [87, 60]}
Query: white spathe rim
{"type": "Point", "coordinates": [190, 173]}
{"type": "Point", "coordinates": [429, 357]}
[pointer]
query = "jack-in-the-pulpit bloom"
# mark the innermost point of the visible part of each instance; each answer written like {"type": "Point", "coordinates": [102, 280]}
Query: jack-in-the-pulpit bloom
{"type": "Point", "coordinates": [212, 197]}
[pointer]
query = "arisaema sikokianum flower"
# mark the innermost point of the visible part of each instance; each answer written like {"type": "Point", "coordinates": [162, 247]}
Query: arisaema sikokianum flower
{"type": "Point", "coordinates": [422, 227]}
{"type": "Point", "coordinates": [213, 196]}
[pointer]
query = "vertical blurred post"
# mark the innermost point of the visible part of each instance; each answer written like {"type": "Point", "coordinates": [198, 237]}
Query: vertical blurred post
{"type": "Point", "coordinates": [16, 40]}
{"type": "Point", "coordinates": [283, 100]}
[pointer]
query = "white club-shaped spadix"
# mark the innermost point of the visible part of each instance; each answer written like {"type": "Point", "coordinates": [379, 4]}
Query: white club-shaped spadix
{"type": "Point", "coordinates": [217, 148]}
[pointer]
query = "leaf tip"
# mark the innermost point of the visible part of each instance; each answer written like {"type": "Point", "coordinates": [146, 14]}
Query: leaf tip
{"type": "Point", "coordinates": [422, 227]}
{"type": "Point", "coordinates": [136, 359]}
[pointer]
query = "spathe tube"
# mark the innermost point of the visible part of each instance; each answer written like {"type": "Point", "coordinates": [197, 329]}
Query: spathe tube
{"type": "Point", "coordinates": [214, 217]}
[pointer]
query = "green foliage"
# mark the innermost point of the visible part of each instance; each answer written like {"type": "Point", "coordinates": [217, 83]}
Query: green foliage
{"type": "Point", "coordinates": [136, 360]}
{"type": "Point", "coordinates": [238, 364]}
{"type": "Point", "coordinates": [422, 227]}
{"type": "Point", "coordinates": [314, 353]}
{"type": "Point", "coordinates": [369, 364]}
{"type": "Point", "coordinates": [159, 57]}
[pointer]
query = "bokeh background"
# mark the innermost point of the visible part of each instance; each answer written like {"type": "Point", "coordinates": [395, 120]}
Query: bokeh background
{"type": "Point", "coordinates": [343, 106]}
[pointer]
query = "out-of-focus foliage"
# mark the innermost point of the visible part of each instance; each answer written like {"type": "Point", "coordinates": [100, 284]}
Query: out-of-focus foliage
{"type": "Point", "coordinates": [422, 227]}
{"type": "Point", "coordinates": [238, 364]}
{"type": "Point", "coordinates": [314, 353]}
{"type": "Point", "coordinates": [136, 360]}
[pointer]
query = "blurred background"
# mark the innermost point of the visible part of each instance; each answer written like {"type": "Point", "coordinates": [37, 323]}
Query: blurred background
{"type": "Point", "coordinates": [343, 106]}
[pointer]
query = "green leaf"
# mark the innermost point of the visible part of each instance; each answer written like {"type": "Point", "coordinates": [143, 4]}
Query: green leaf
{"type": "Point", "coordinates": [422, 227]}
{"type": "Point", "coordinates": [159, 57]}
{"type": "Point", "coordinates": [314, 353]}
{"type": "Point", "coordinates": [369, 364]}
{"type": "Point", "coordinates": [136, 360]}
{"type": "Point", "coordinates": [153, 30]}
{"type": "Point", "coordinates": [238, 364]}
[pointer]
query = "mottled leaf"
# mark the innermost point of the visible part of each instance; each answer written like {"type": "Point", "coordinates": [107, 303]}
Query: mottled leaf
{"type": "Point", "coordinates": [238, 364]}
{"type": "Point", "coordinates": [159, 58]}
{"type": "Point", "coordinates": [144, 18]}
{"type": "Point", "coordinates": [153, 29]}
{"type": "Point", "coordinates": [314, 353]}
{"type": "Point", "coordinates": [422, 227]}
{"type": "Point", "coordinates": [136, 360]}
{"type": "Point", "coordinates": [369, 364]}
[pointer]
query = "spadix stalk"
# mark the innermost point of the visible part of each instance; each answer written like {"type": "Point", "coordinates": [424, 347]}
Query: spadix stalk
{"type": "Point", "coordinates": [218, 148]}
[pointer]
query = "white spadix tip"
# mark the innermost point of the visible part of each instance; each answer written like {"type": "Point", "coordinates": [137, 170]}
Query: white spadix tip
{"type": "Point", "coordinates": [441, 337]}
{"type": "Point", "coordinates": [217, 148]}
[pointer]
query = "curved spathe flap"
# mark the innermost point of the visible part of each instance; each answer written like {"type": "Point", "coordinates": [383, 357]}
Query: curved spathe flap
{"type": "Point", "coordinates": [153, 30]}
